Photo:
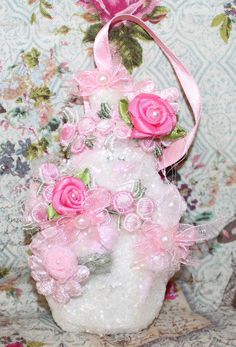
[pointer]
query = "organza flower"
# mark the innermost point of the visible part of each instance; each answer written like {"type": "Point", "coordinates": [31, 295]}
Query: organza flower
{"type": "Point", "coordinates": [68, 196]}
{"type": "Point", "coordinates": [108, 9]}
{"type": "Point", "coordinates": [161, 248]}
{"type": "Point", "coordinates": [87, 82]}
{"type": "Point", "coordinates": [98, 231]}
{"type": "Point", "coordinates": [152, 116]}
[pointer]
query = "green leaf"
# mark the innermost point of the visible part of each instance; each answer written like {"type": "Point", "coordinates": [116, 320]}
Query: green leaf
{"type": "Point", "coordinates": [158, 13]}
{"type": "Point", "coordinates": [4, 271]}
{"type": "Point", "coordinates": [29, 231]}
{"type": "Point", "coordinates": [43, 11]}
{"type": "Point", "coordinates": [89, 17]}
{"type": "Point", "coordinates": [85, 176]}
{"type": "Point", "coordinates": [204, 216]}
{"type": "Point", "coordinates": [46, 3]}
{"type": "Point", "coordinates": [33, 18]}
{"type": "Point", "coordinates": [19, 100]}
{"type": "Point", "coordinates": [32, 58]}
{"type": "Point", "coordinates": [177, 133]}
{"type": "Point", "coordinates": [89, 141]}
{"type": "Point", "coordinates": [37, 149]}
{"type": "Point", "coordinates": [63, 30]}
{"type": "Point", "coordinates": [130, 51]}
{"type": "Point", "coordinates": [158, 151]}
{"type": "Point", "coordinates": [105, 112]}
{"type": "Point", "coordinates": [225, 29]}
{"type": "Point", "coordinates": [54, 124]}
{"type": "Point", "coordinates": [52, 213]}
{"type": "Point", "coordinates": [97, 263]}
{"type": "Point", "coordinates": [123, 110]}
{"type": "Point", "coordinates": [218, 19]}
{"type": "Point", "coordinates": [35, 344]}
{"type": "Point", "coordinates": [91, 32]}
{"type": "Point", "coordinates": [139, 190]}
{"type": "Point", "coordinates": [40, 95]}
{"type": "Point", "coordinates": [140, 33]}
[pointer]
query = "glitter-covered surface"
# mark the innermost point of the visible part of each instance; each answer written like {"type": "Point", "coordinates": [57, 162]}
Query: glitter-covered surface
{"type": "Point", "coordinates": [114, 302]}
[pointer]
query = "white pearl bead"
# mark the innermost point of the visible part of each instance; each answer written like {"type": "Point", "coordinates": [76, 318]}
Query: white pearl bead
{"type": "Point", "coordinates": [103, 78]}
{"type": "Point", "coordinates": [165, 239]}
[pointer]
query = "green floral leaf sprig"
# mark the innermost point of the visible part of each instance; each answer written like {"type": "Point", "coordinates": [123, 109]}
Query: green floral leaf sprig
{"type": "Point", "coordinates": [32, 58]}
{"type": "Point", "coordinates": [126, 37]}
{"type": "Point", "coordinates": [226, 20]}
{"type": "Point", "coordinates": [63, 30]}
{"type": "Point", "coordinates": [44, 7]}
{"type": "Point", "coordinates": [40, 95]}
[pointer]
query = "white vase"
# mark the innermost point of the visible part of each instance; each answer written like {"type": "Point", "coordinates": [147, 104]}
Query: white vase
{"type": "Point", "coordinates": [130, 296]}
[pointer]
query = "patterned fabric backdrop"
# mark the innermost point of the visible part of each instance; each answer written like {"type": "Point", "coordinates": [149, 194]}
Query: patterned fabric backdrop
{"type": "Point", "coordinates": [42, 44]}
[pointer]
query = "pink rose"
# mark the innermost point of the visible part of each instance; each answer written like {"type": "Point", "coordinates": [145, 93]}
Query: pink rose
{"type": "Point", "coordinates": [48, 173]}
{"type": "Point", "coordinates": [152, 116]}
{"type": "Point", "coordinates": [60, 263]}
{"type": "Point", "coordinates": [68, 196]}
{"type": "Point", "coordinates": [108, 9]}
{"type": "Point", "coordinates": [67, 134]}
{"type": "Point", "coordinates": [15, 344]}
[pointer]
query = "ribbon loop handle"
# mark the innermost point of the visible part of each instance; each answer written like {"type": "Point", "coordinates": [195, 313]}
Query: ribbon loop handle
{"type": "Point", "coordinates": [103, 61]}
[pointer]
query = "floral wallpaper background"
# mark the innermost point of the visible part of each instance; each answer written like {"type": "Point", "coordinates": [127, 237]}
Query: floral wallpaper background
{"type": "Point", "coordinates": [42, 44]}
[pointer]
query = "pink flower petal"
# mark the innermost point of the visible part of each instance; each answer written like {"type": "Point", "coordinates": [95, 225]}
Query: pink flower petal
{"type": "Point", "coordinates": [40, 212]}
{"type": "Point", "coordinates": [78, 145]}
{"type": "Point", "coordinates": [45, 288]}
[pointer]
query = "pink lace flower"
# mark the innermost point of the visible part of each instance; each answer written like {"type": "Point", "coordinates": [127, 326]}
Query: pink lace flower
{"type": "Point", "coordinates": [123, 202]}
{"type": "Point", "coordinates": [152, 116]}
{"type": "Point", "coordinates": [39, 212]}
{"type": "Point", "coordinates": [48, 193]}
{"type": "Point", "coordinates": [67, 134]}
{"type": "Point", "coordinates": [131, 222]}
{"type": "Point", "coordinates": [87, 82]}
{"type": "Point", "coordinates": [68, 196]}
{"type": "Point", "coordinates": [48, 173]}
{"type": "Point", "coordinates": [86, 125]}
{"type": "Point", "coordinates": [74, 134]}
{"type": "Point", "coordinates": [49, 286]}
{"type": "Point", "coordinates": [78, 145]}
{"type": "Point", "coordinates": [108, 9]}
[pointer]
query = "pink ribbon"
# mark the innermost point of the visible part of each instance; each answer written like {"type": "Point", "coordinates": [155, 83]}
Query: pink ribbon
{"type": "Point", "coordinates": [103, 60]}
